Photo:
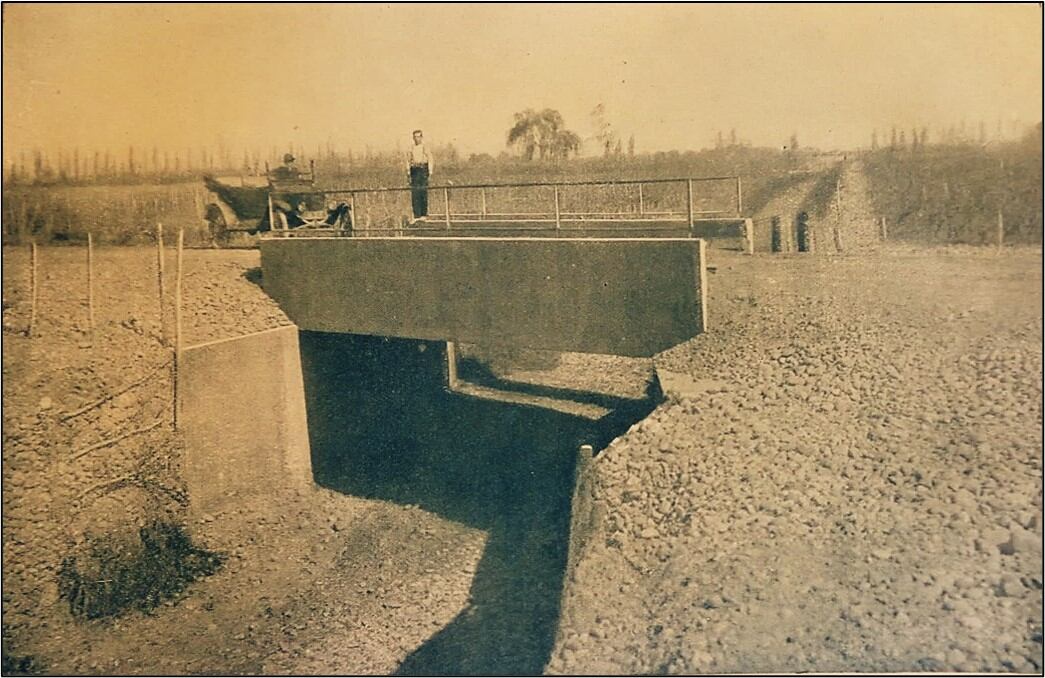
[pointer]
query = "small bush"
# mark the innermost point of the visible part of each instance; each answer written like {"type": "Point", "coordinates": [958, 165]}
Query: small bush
{"type": "Point", "coordinates": [20, 665]}
{"type": "Point", "coordinates": [115, 575]}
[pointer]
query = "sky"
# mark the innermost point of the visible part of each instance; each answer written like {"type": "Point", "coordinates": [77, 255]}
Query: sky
{"type": "Point", "coordinates": [263, 76]}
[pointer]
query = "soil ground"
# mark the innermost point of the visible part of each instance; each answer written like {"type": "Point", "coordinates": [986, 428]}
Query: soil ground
{"type": "Point", "coordinates": [855, 484]}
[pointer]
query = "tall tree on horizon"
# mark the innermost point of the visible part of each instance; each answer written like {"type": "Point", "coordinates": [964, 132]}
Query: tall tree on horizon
{"type": "Point", "coordinates": [542, 133]}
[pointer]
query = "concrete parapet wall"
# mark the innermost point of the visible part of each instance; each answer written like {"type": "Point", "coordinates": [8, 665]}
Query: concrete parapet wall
{"type": "Point", "coordinates": [633, 297]}
{"type": "Point", "coordinates": [707, 228]}
{"type": "Point", "coordinates": [242, 415]}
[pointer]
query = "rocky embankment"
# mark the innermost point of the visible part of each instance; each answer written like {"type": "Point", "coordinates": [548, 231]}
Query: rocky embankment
{"type": "Point", "coordinates": [849, 478]}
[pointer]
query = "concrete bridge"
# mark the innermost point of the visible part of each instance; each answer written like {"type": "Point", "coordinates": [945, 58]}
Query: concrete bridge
{"type": "Point", "coordinates": [522, 264]}
{"type": "Point", "coordinates": [374, 305]}
{"type": "Point", "coordinates": [621, 296]}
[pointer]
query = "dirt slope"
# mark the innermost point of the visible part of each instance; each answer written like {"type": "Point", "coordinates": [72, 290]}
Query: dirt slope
{"type": "Point", "coordinates": [855, 486]}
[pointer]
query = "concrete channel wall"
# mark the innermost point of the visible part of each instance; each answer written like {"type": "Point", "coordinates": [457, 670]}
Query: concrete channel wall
{"type": "Point", "coordinates": [242, 416]}
{"type": "Point", "coordinates": [627, 296]}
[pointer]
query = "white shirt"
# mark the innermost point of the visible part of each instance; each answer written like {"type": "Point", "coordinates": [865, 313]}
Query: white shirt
{"type": "Point", "coordinates": [419, 156]}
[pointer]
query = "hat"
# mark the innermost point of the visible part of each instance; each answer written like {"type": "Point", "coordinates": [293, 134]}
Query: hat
{"type": "Point", "coordinates": [287, 157]}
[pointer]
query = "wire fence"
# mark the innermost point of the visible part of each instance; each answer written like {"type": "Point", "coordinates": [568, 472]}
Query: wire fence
{"type": "Point", "coordinates": [124, 435]}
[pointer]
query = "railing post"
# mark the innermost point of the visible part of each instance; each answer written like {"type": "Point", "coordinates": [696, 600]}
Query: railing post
{"type": "Point", "coordinates": [642, 207]}
{"type": "Point", "coordinates": [558, 218]}
{"type": "Point", "coordinates": [352, 209]}
{"type": "Point", "coordinates": [446, 201]}
{"type": "Point", "coordinates": [482, 195]}
{"type": "Point", "coordinates": [740, 202]}
{"type": "Point", "coordinates": [272, 223]}
{"type": "Point", "coordinates": [689, 202]}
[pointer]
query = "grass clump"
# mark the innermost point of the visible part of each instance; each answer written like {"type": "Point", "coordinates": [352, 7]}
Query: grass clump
{"type": "Point", "coordinates": [114, 574]}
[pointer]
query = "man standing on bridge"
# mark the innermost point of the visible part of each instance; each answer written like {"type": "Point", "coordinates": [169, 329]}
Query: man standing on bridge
{"type": "Point", "coordinates": [420, 168]}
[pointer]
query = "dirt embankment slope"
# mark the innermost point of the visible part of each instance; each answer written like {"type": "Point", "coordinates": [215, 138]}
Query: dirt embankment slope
{"type": "Point", "coordinates": [856, 485]}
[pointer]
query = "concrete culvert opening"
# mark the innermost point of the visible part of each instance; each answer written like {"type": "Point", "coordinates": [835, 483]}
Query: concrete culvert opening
{"type": "Point", "coordinates": [383, 425]}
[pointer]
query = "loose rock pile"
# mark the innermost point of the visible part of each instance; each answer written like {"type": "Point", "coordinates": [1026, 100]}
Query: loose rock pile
{"type": "Point", "coordinates": [852, 482]}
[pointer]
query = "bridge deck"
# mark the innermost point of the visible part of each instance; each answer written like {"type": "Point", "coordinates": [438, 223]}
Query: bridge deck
{"type": "Point", "coordinates": [623, 296]}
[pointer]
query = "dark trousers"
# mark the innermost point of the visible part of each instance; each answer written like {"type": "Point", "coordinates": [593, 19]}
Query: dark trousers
{"type": "Point", "coordinates": [419, 190]}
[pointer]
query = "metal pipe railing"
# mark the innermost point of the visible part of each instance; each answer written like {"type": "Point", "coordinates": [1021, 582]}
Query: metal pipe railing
{"type": "Point", "coordinates": [521, 184]}
{"type": "Point", "coordinates": [558, 215]}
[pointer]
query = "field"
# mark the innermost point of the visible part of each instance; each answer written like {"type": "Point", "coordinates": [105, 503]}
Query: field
{"type": "Point", "coordinates": [848, 479]}
{"type": "Point", "coordinates": [954, 194]}
{"type": "Point", "coordinates": [120, 215]}
{"type": "Point", "coordinates": [128, 214]}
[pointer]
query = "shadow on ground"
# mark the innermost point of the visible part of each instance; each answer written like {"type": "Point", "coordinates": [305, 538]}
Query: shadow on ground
{"type": "Point", "coordinates": [381, 425]}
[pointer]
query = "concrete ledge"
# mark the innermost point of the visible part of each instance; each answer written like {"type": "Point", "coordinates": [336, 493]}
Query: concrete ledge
{"type": "Point", "coordinates": [242, 415]}
{"type": "Point", "coordinates": [626, 296]}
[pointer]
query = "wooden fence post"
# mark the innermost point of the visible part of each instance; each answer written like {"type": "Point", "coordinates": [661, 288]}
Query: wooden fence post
{"type": "Point", "coordinates": [32, 288]}
{"type": "Point", "coordinates": [482, 196]}
{"type": "Point", "coordinates": [642, 206]}
{"type": "Point", "coordinates": [90, 287]}
{"type": "Point", "coordinates": [885, 230]}
{"type": "Point", "coordinates": [177, 324]}
{"type": "Point", "coordinates": [159, 282]}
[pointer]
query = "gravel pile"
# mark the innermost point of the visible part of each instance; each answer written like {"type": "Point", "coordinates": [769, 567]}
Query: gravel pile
{"type": "Point", "coordinates": [852, 480]}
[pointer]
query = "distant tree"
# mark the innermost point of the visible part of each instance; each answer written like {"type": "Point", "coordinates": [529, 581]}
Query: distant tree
{"type": "Point", "coordinates": [618, 150]}
{"type": "Point", "coordinates": [449, 153]}
{"type": "Point", "coordinates": [631, 146]}
{"type": "Point", "coordinates": [903, 139]}
{"type": "Point", "coordinates": [733, 137]}
{"type": "Point", "coordinates": [924, 139]}
{"type": "Point", "coordinates": [719, 142]}
{"type": "Point", "coordinates": [793, 143]}
{"type": "Point", "coordinates": [874, 140]}
{"type": "Point", "coordinates": [602, 130]}
{"type": "Point", "coordinates": [542, 133]}
{"type": "Point", "coordinates": [892, 139]}
{"type": "Point", "coordinates": [914, 139]}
